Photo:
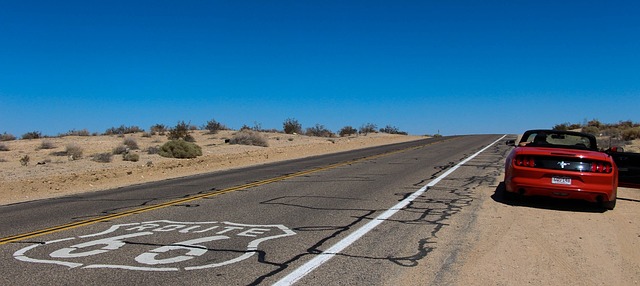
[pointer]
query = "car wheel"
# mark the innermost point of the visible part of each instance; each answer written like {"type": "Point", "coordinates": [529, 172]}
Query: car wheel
{"type": "Point", "coordinates": [609, 204]}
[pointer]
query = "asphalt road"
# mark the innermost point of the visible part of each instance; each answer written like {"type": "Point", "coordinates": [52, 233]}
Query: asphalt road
{"type": "Point", "coordinates": [298, 220]}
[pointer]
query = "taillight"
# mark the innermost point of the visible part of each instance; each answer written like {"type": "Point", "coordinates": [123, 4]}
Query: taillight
{"type": "Point", "coordinates": [601, 167]}
{"type": "Point", "coordinates": [524, 161]}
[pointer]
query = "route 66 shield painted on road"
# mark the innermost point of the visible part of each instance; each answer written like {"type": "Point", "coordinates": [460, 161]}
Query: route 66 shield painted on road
{"type": "Point", "coordinates": [152, 246]}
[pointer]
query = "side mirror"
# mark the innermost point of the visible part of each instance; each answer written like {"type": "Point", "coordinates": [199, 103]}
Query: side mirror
{"type": "Point", "coordinates": [511, 143]}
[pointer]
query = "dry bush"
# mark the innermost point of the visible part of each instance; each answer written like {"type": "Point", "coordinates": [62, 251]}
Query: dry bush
{"type": "Point", "coordinates": [292, 126]}
{"type": "Point", "coordinates": [153, 150]}
{"type": "Point", "coordinates": [4, 147]}
{"type": "Point", "coordinates": [347, 131]}
{"type": "Point", "coordinates": [120, 149]}
{"type": "Point", "coordinates": [7, 137]}
{"type": "Point", "coordinates": [319, 131]}
{"type": "Point", "coordinates": [24, 161]}
{"type": "Point", "coordinates": [74, 151]}
{"type": "Point", "coordinates": [103, 157]}
{"type": "Point", "coordinates": [46, 144]}
{"type": "Point", "coordinates": [32, 135]}
{"type": "Point", "coordinates": [249, 137]}
{"type": "Point", "coordinates": [181, 131]}
{"type": "Point", "coordinates": [131, 143]}
{"type": "Point", "coordinates": [130, 157]}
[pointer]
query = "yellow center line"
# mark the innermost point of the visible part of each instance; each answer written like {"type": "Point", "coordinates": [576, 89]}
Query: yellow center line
{"type": "Point", "coordinates": [23, 236]}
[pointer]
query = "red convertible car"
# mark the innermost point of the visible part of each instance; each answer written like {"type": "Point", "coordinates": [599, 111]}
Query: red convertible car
{"type": "Point", "coordinates": [561, 164]}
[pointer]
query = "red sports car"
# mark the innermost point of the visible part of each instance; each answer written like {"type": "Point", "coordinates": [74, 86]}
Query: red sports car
{"type": "Point", "coordinates": [561, 164]}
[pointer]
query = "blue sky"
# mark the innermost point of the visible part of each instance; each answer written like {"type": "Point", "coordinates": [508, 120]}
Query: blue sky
{"type": "Point", "coordinates": [454, 67]}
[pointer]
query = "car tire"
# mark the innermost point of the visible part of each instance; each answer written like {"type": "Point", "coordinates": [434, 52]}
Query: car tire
{"type": "Point", "coordinates": [609, 205]}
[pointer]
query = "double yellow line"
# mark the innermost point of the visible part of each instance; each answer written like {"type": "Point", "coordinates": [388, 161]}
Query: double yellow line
{"type": "Point", "coordinates": [23, 236]}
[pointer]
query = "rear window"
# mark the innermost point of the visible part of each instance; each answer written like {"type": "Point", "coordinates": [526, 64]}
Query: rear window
{"type": "Point", "coordinates": [558, 140]}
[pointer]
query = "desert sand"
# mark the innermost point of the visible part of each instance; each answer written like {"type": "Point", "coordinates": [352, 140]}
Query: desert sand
{"type": "Point", "coordinates": [51, 173]}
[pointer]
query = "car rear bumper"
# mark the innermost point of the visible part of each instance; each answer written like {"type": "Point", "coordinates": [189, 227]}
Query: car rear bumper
{"type": "Point", "coordinates": [543, 187]}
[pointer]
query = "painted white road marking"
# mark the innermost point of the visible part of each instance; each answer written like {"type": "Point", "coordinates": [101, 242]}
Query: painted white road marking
{"type": "Point", "coordinates": [190, 254]}
{"type": "Point", "coordinates": [323, 257]}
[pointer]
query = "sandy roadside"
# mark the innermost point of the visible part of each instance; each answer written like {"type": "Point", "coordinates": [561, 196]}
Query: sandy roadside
{"type": "Point", "coordinates": [50, 173]}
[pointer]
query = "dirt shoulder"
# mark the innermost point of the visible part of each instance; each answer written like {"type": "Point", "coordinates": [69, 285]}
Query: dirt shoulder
{"type": "Point", "coordinates": [51, 173]}
{"type": "Point", "coordinates": [548, 242]}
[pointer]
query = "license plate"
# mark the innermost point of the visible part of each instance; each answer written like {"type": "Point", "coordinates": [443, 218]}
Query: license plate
{"type": "Point", "coordinates": [561, 180]}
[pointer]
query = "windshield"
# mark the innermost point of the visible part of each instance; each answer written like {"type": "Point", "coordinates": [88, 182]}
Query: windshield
{"type": "Point", "coordinates": [558, 139]}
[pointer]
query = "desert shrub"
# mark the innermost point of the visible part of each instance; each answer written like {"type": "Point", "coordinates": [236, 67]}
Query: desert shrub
{"type": "Point", "coordinates": [130, 157]}
{"type": "Point", "coordinates": [7, 137]}
{"type": "Point", "coordinates": [214, 126]}
{"type": "Point", "coordinates": [4, 147]}
{"type": "Point", "coordinates": [347, 131]}
{"type": "Point", "coordinates": [595, 123]}
{"type": "Point", "coordinates": [319, 131]}
{"type": "Point", "coordinates": [24, 161]}
{"type": "Point", "coordinates": [561, 127]}
{"type": "Point", "coordinates": [147, 134]}
{"type": "Point", "coordinates": [292, 126]}
{"type": "Point", "coordinates": [392, 130]}
{"type": "Point", "coordinates": [180, 149]}
{"type": "Point", "coordinates": [153, 150]}
{"type": "Point", "coordinates": [32, 135]}
{"type": "Point", "coordinates": [158, 129]}
{"type": "Point", "coordinates": [73, 132]}
{"type": "Point", "coordinates": [123, 130]}
{"type": "Point", "coordinates": [46, 144]}
{"type": "Point", "coordinates": [103, 157]}
{"type": "Point", "coordinates": [74, 151]}
{"type": "Point", "coordinates": [591, 130]}
{"type": "Point", "coordinates": [131, 143]}
{"type": "Point", "coordinates": [631, 134]}
{"type": "Point", "coordinates": [249, 137]}
{"type": "Point", "coordinates": [181, 131]}
{"type": "Point", "coordinates": [368, 128]}
{"type": "Point", "coordinates": [120, 149]}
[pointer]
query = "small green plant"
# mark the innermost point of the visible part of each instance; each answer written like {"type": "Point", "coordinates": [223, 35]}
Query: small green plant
{"type": "Point", "coordinates": [249, 137]}
{"type": "Point", "coordinates": [291, 126]}
{"type": "Point", "coordinates": [7, 137]}
{"type": "Point", "coordinates": [103, 157]}
{"type": "Point", "coordinates": [180, 149]}
{"type": "Point", "coordinates": [32, 135]}
{"type": "Point", "coordinates": [24, 161]}
{"type": "Point", "coordinates": [4, 147]}
{"type": "Point", "coordinates": [74, 151]}
{"type": "Point", "coordinates": [130, 157]}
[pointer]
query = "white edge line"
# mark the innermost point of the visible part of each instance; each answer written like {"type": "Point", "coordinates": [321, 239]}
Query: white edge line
{"type": "Point", "coordinates": [323, 257]}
